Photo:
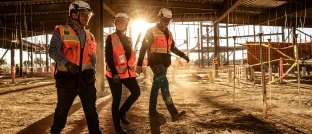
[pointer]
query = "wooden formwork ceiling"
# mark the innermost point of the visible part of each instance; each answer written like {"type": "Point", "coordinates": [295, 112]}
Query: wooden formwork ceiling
{"type": "Point", "coordinates": [265, 12]}
{"type": "Point", "coordinates": [36, 17]}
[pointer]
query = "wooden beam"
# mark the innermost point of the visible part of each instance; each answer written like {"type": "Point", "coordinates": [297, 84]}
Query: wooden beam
{"type": "Point", "coordinates": [288, 9]}
{"type": "Point", "coordinates": [34, 8]}
{"type": "Point", "coordinates": [32, 2]}
{"type": "Point", "coordinates": [170, 4]}
{"type": "Point", "coordinates": [229, 8]}
{"type": "Point", "coordinates": [109, 9]}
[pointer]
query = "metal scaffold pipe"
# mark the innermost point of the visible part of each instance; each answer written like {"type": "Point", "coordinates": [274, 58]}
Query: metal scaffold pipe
{"type": "Point", "coordinates": [270, 68]}
{"type": "Point", "coordinates": [264, 92]}
{"type": "Point", "coordinates": [234, 37]}
{"type": "Point", "coordinates": [295, 36]}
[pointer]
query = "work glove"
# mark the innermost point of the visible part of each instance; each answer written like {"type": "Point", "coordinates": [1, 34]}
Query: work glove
{"type": "Point", "coordinates": [72, 68]}
{"type": "Point", "coordinates": [116, 79]}
{"type": "Point", "coordinates": [186, 58]}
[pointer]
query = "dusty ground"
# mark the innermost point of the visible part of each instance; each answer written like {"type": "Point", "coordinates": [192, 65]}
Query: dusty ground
{"type": "Point", "coordinates": [211, 108]}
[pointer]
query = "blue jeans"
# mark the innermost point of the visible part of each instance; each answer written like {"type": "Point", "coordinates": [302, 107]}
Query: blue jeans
{"type": "Point", "coordinates": [160, 81]}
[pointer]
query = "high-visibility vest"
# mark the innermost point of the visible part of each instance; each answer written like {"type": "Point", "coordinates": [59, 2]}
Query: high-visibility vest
{"type": "Point", "coordinates": [125, 68]}
{"type": "Point", "coordinates": [71, 48]}
{"type": "Point", "coordinates": [160, 44]}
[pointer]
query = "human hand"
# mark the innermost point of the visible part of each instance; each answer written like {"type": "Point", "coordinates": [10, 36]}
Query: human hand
{"type": "Point", "coordinates": [116, 79]}
{"type": "Point", "coordinates": [138, 69]}
{"type": "Point", "coordinates": [72, 68]}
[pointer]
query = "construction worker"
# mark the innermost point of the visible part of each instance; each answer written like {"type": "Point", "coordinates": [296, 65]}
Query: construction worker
{"type": "Point", "coordinates": [73, 49]}
{"type": "Point", "coordinates": [120, 59]}
{"type": "Point", "coordinates": [158, 42]}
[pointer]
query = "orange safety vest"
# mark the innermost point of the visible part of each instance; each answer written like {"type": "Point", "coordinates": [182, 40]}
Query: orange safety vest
{"type": "Point", "coordinates": [124, 67]}
{"type": "Point", "coordinates": [71, 48]}
{"type": "Point", "coordinates": [160, 44]}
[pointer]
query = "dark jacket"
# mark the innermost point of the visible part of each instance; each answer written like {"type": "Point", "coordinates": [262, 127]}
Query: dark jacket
{"type": "Point", "coordinates": [157, 58]}
{"type": "Point", "coordinates": [109, 50]}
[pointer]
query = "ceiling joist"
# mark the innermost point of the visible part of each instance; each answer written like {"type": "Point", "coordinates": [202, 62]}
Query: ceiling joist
{"type": "Point", "coordinates": [228, 7]}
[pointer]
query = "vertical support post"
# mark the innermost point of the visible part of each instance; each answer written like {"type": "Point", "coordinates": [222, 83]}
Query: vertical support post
{"type": "Point", "coordinates": [40, 50]}
{"type": "Point", "coordinates": [199, 49]}
{"type": "Point", "coordinates": [47, 53]}
{"type": "Point", "coordinates": [187, 41]}
{"type": "Point", "coordinates": [289, 32]}
{"type": "Point", "coordinates": [269, 60]}
{"type": "Point", "coordinates": [283, 34]}
{"type": "Point", "coordinates": [234, 37]}
{"type": "Point", "coordinates": [281, 70]}
{"type": "Point", "coordinates": [32, 57]}
{"type": "Point", "coordinates": [227, 45]}
{"type": "Point", "coordinates": [296, 47]}
{"type": "Point", "coordinates": [207, 32]}
{"type": "Point", "coordinates": [216, 46]}
{"type": "Point", "coordinates": [270, 69]}
{"type": "Point", "coordinates": [201, 43]}
{"type": "Point", "coordinates": [21, 44]}
{"type": "Point", "coordinates": [264, 94]}
{"type": "Point", "coordinates": [20, 69]}
{"type": "Point", "coordinates": [97, 30]}
{"type": "Point", "coordinates": [254, 30]}
{"type": "Point", "coordinates": [12, 65]}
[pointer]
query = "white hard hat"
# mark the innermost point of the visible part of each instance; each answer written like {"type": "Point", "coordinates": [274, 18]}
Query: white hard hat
{"type": "Point", "coordinates": [165, 12]}
{"type": "Point", "coordinates": [78, 5]}
{"type": "Point", "coordinates": [122, 16]}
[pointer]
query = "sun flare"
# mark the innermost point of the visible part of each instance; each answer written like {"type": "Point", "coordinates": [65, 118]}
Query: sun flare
{"type": "Point", "coordinates": [138, 29]}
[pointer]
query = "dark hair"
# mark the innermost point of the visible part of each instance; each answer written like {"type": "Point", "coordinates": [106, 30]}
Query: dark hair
{"type": "Point", "coordinates": [73, 11]}
{"type": "Point", "coordinates": [161, 15]}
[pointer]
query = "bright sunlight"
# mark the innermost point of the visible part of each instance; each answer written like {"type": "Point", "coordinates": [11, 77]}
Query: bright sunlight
{"type": "Point", "coordinates": [138, 29]}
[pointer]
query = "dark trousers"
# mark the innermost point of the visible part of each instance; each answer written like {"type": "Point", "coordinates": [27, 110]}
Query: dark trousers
{"type": "Point", "coordinates": [160, 81]}
{"type": "Point", "coordinates": [65, 98]}
{"type": "Point", "coordinates": [116, 90]}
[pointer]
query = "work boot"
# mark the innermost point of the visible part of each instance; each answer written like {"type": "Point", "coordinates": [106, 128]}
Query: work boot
{"type": "Point", "coordinates": [178, 116]}
{"type": "Point", "coordinates": [120, 130]}
{"type": "Point", "coordinates": [155, 114]}
{"type": "Point", "coordinates": [124, 119]}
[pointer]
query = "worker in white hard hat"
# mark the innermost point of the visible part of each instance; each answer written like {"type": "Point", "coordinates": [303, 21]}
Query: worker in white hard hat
{"type": "Point", "coordinates": [120, 61]}
{"type": "Point", "coordinates": [72, 47]}
{"type": "Point", "coordinates": [82, 13]}
{"type": "Point", "coordinates": [158, 43]}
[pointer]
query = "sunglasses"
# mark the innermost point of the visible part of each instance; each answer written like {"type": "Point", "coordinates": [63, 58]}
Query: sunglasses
{"type": "Point", "coordinates": [86, 13]}
{"type": "Point", "coordinates": [166, 19]}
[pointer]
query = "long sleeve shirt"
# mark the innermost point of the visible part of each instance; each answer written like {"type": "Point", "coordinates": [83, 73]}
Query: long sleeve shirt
{"type": "Point", "coordinates": [56, 45]}
{"type": "Point", "coordinates": [109, 50]}
{"type": "Point", "coordinates": [157, 58]}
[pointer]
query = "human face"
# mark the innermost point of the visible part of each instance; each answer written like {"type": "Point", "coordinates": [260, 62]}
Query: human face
{"type": "Point", "coordinates": [85, 16]}
{"type": "Point", "coordinates": [121, 24]}
{"type": "Point", "coordinates": [165, 21]}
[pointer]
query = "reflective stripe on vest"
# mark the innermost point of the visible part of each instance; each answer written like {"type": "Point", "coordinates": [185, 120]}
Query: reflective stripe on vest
{"type": "Point", "coordinates": [124, 67]}
{"type": "Point", "coordinates": [71, 48]}
{"type": "Point", "coordinates": [160, 44]}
